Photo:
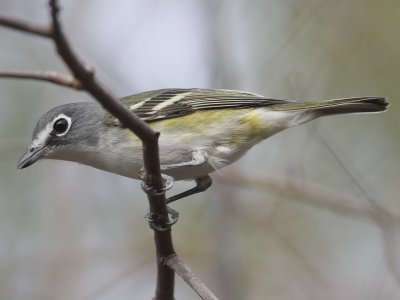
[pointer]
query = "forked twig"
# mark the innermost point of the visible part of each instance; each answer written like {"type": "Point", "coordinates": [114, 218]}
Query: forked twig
{"type": "Point", "coordinates": [84, 79]}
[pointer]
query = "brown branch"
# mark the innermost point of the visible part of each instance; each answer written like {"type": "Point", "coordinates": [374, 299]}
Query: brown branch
{"type": "Point", "coordinates": [49, 76]}
{"type": "Point", "coordinates": [84, 79]}
{"type": "Point", "coordinates": [158, 208]}
{"type": "Point", "coordinates": [190, 278]}
{"type": "Point", "coordinates": [313, 194]}
{"type": "Point", "coordinates": [90, 84]}
{"type": "Point", "coordinates": [44, 31]}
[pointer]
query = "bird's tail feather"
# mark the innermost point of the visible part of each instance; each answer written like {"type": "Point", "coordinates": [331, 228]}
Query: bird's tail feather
{"type": "Point", "coordinates": [337, 106]}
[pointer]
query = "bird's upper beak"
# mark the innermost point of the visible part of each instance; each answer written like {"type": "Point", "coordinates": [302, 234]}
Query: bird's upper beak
{"type": "Point", "coordinates": [31, 155]}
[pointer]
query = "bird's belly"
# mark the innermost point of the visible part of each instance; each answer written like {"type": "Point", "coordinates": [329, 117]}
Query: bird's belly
{"type": "Point", "coordinates": [130, 167]}
{"type": "Point", "coordinates": [217, 158]}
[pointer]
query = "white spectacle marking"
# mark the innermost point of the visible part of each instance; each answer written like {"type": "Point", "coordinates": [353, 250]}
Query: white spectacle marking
{"type": "Point", "coordinates": [170, 101]}
{"type": "Point", "coordinates": [138, 105]}
{"type": "Point", "coordinates": [62, 116]}
{"type": "Point", "coordinates": [42, 136]}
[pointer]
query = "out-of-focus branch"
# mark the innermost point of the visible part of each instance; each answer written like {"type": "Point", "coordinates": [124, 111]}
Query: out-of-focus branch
{"type": "Point", "coordinates": [65, 80]}
{"type": "Point", "coordinates": [44, 31]}
{"type": "Point", "coordinates": [313, 194]}
{"type": "Point", "coordinates": [317, 195]}
{"type": "Point", "coordinates": [190, 278]}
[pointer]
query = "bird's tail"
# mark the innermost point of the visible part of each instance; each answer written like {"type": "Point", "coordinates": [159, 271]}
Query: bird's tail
{"type": "Point", "coordinates": [337, 106]}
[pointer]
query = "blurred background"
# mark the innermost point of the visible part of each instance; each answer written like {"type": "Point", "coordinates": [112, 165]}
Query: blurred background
{"type": "Point", "coordinates": [311, 213]}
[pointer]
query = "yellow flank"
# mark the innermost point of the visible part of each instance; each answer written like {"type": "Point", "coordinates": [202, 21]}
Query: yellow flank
{"type": "Point", "coordinates": [255, 124]}
{"type": "Point", "coordinates": [196, 121]}
{"type": "Point", "coordinates": [231, 125]}
{"type": "Point", "coordinates": [218, 126]}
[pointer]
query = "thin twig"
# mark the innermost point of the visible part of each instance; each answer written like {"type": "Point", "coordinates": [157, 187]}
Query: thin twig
{"type": "Point", "coordinates": [163, 239]}
{"type": "Point", "coordinates": [190, 278]}
{"type": "Point", "coordinates": [84, 79]}
{"type": "Point", "coordinates": [90, 84]}
{"type": "Point", "coordinates": [65, 80]}
{"type": "Point", "coordinates": [43, 31]}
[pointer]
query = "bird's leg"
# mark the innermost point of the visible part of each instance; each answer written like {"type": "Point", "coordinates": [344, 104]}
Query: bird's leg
{"type": "Point", "coordinates": [199, 158]}
{"type": "Point", "coordinates": [153, 220]}
{"type": "Point", "coordinates": [168, 184]}
{"type": "Point", "coordinates": [202, 184]}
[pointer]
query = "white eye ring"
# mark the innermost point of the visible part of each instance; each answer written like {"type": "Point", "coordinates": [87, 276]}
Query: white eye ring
{"type": "Point", "coordinates": [62, 116]}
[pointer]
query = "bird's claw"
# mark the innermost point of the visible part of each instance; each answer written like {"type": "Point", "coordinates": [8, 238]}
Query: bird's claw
{"type": "Point", "coordinates": [150, 190]}
{"type": "Point", "coordinates": [154, 220]}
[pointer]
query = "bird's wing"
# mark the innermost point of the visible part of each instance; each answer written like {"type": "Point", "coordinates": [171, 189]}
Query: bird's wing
{"type": "Point", "coordinates": [170, 103]}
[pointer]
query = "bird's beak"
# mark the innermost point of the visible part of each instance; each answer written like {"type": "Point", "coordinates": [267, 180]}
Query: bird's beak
{"type": "Point", "coordinates": [31, 155]}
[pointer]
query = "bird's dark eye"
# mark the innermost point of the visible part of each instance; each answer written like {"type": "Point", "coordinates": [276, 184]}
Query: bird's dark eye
{"type": "Point", "coordinates": [60, 126]}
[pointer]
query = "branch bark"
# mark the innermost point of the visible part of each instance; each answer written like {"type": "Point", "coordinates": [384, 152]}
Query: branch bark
{"type": "Point", "coordinates": [84, 79]}
{"type": "Point", "coordinates": [175, 263]}
{"type": "Point", "coordinates": [25, 27]}
{"type": "Point", "coordinates": [65, 80]}
{"type": "Point", "coordinates": [158, 207]}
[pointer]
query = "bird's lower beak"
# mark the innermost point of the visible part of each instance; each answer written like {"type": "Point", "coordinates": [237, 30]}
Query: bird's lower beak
{"type": "Point", "coordinates": [31, 155]}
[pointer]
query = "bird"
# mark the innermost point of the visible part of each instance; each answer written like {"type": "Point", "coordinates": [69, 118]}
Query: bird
{"type": "Point", "coordinates": [201, 130]}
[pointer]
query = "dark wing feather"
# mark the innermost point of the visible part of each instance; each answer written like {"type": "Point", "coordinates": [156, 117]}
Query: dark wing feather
{"type": "Point", "coordinates": [169, 103]}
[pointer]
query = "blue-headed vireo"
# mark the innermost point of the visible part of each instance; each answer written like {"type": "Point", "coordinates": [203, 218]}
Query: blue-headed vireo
{"type": "Point", "coordinates": [202, 130]}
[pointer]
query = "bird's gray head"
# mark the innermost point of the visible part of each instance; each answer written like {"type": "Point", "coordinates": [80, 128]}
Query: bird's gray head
{"type": "Point", "coordinates": [63, 127]}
